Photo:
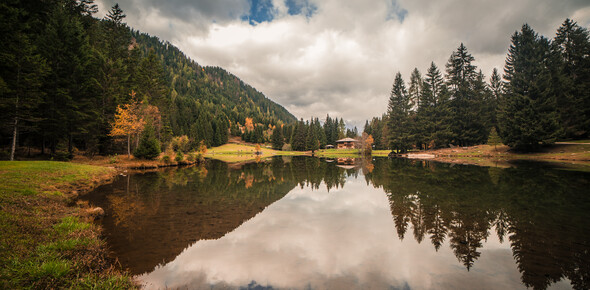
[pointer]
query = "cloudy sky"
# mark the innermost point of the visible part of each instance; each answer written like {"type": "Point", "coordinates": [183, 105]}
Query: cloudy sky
{"type": "Point", "coordinates": [339, 57]}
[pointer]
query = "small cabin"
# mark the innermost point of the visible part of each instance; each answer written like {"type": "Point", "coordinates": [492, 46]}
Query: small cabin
{"type": "Point", "coordinates": [346, 143]}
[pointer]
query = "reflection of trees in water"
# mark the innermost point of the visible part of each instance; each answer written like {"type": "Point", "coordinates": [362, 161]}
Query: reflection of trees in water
{"type": "Point", "coordinates": [252, 185]}
{"type": "Point", "coordinates": [544, 213]}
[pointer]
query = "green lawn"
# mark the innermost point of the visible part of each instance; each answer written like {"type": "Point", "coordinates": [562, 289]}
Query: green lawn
{"type": "Point", "coordinates": [241, 153]}
{"type": "Point", "coordinates": [34, 177]}
{"type": "Point", "coordinates": [43, 242]}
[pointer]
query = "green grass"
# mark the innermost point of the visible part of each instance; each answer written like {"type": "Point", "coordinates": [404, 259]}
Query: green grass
{"type": "Point", "coordinates": [69, 225]}
{"type": "Point", "coordinates": [34, 177]}
{"type": "Point", "coordinates": [242, 153]}
{"type": "Point", "coordinates": [42, 244]}
{"type": "Point", "coordinates": [576, 141]}
{"type": "Point", "coordinates": [380, 153]}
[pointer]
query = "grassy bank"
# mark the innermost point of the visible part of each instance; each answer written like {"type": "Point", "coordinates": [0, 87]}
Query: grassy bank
{"type": "Point", "coordinates": [488, 155]}
{"type": "Point", "coordinates": [338, 153]}
{"type": "Point", "coordinates": [233, 152]}
{"type": "Point", "coordinates": [44, 243]}
{"type": "Point", "coordinates": [130, 162]}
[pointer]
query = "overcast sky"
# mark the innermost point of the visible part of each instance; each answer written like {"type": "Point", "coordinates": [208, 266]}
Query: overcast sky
{"type": "Point", "coordinates": [339, 57]}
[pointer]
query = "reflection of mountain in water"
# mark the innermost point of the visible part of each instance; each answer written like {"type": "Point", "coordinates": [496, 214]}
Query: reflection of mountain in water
{"type": "Point", "coordinates": [152, 217]}
{"type": "Point", "coordinates": [543, 212]}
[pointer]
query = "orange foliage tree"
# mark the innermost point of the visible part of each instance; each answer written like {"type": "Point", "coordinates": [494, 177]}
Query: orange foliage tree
{"type": "Point", "coordinates": [249, 124]}
{"type": "Point", "coordinates": [367, 143]}
{"type": "Point", "coordinates": [128, 121]}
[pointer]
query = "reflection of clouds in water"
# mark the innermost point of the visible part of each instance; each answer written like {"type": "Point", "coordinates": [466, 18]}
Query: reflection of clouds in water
{"type": "Point", "coordinates": [342, 239]}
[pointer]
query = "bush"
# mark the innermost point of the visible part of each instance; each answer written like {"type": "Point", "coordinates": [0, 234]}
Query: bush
{"type": "Point", "coordinates": [62, 156]}
{"type": "Point", "coordinates": [287, 147]}
{"type": "Point", "coordinates": [166, 159]}
{"type": "Point", "coordinates": [180, 143]}
{"type": "Point", "coordinates": [179, 156]}
{"type": "Point", "coordinates": [191, 157]}
{"type": "Point", "coordinates": [149, 147]}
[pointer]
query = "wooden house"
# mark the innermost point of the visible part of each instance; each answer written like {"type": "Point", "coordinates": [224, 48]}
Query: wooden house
{"type": "Point", "coordinates": [346, 143]}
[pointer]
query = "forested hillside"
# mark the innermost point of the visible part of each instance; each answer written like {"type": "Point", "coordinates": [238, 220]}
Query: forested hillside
{"type": "Point", "coordinates": [68, 79]}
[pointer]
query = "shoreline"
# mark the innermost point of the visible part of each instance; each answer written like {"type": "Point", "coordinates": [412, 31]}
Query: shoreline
{"type": "Point", "coordinates": [49, 238]}
{"type": "Point", "coordinates": [36, 201]}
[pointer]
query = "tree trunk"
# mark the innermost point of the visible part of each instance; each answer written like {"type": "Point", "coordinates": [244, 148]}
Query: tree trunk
{"type": "Point", "coordinates": [14, 134]}
{"type": "Point", "coordinates": [129, 145]}
{"type": "Point", "coordinates": [70, 147]}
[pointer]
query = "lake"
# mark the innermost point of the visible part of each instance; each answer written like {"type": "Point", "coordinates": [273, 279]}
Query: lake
{"type": "Point", "coordinates": [304, 222]}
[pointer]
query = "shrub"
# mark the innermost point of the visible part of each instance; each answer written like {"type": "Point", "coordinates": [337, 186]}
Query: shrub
{"type": "Point", "coordinates": [180, 143]}
{"type": "Point", "coordinates": [62, 156]}
{"type": "Point", "coordinates": [191, 157]}
{"type": "Point", "coordinates": [202, 148]}
{"type": "Point", "coordinates": [179, 156]}
{"type": "Point", "coordinates": [149, 147]}
{"type": "Point", "coordinates": [166, 159]}
{"type": "Point", "coordinates": [287, 147]}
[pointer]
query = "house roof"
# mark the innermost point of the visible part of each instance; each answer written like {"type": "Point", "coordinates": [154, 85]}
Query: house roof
{"type": "Point", "coordinates": [346, 140]}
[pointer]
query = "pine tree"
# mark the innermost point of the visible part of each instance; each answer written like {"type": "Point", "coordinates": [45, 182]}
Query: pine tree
{"type": "Point", "coordinates": [496, 91]}
{"type": "Point", "coordinates": [22, 70]}
{"type": "Point", "coordinates": [299, 137]}
{"type": "Point", "coordinates": [312, 141]}
{"type": "Point", "coordinates": [277, 138]}
{"type": "Point", "coordinates": [494, 138]}
{"type": "Point", "coordinates": [319, 132]}
{"type": "Point", "coordinates": [149, 147]}
{"type": "Point", "coordinates": [572, 43]}
{"type": "Point", "coordinates": [66, 107]}
{"type": "Point", "coordinates": [341, 129]}
{"type": "Point", "coordinates": [528, 113]}
{"type": "Point", "coordinates": [467, 124]}
{"type": "Point", "coordinates": [415, 89]}
{"type": "Point", "coordinates": [434, 113]}
{"type": "Point", "coordinates": [398, 116]}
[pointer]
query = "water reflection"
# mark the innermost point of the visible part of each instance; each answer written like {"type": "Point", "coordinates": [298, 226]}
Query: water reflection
{"type": "Point", "coordinates": [311, 223]}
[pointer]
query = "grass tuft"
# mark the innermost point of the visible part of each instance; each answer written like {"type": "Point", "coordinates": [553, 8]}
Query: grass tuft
{"type": "Point", "coordinates": [69, 225]}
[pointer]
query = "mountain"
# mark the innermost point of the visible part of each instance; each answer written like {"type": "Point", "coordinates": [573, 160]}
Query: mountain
{"type": "Point", "coordinates": [193, 86]}
{"type": "Point", "coordinates": [67, 78]}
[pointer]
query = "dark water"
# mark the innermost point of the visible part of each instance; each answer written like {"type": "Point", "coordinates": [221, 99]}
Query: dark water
{"type": "Point", "coordinates": [351, 224]}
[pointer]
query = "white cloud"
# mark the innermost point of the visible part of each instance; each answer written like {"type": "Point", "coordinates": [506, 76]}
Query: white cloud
{"type": "Point", "coordinates": [342, 60]}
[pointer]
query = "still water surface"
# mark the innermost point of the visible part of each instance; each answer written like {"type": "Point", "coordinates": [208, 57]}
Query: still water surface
{"type": "Point", "coordinates": [351, 224]}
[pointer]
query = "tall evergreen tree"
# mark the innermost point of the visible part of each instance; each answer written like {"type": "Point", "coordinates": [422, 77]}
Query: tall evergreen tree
{"type": "Point", "coordinates": [467, 124]}
{"type": "Point", "coordinates": [496, 90]}
{"type": "Point", "coordinates": [528, 113]}
{"type": "Point", "coordinates": [398, 110]}
{"type": "Point", "coordinates": [572, 43]}
{"type": "Point", "coordinates": [277, 138]}
{"type": "Point", "coordinates": [22, 70]}
{"type": "Point", "coordinates": [341, 129]}
{"type": "Point", "coordinates": [312, 142]}
{"type": "Point", "coordinates": [319, 132]}
{"type": "Point", "coordinates": [415, 89]}
{"type": "Point", "coordinates": [66, 106]}
{"type": "Point", "coordinates": [299, 137]}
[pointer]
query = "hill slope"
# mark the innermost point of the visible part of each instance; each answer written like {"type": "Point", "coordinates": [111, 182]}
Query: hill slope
{"type": "Point", "coordinates": [65, 76]}
{"type": "Point", "coordinates": [220, 92]}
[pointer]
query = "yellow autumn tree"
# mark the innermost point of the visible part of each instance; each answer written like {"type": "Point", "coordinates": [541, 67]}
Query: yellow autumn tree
{"type": "Point", "coordinates": [128, 121]}
{"type": "Point", "coordinates": [249, 124]}
{"type": "Point", "coordinates": [367, 143]}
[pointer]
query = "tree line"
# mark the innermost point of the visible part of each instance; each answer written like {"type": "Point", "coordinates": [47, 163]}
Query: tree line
{"type": "Point", "coordinates": [64, 74]}
{"type": "Point", "coordinates": [543, 95]}
{"type": "Point", "coordinates": [310, 135]}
